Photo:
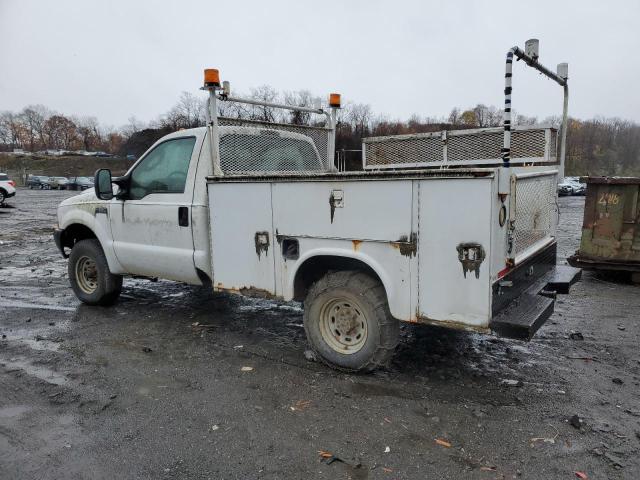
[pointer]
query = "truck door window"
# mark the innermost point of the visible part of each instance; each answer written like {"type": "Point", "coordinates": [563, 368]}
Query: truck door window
{"type": "Point", "coordinates": [163, 170]}
{"type": "Point", "coordinates": [242, 152]}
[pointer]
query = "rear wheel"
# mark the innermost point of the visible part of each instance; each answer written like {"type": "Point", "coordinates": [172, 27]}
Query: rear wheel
{"type": "Point", "coordinates": [348, 323]}
{"type": "Point", "coordinates": [89, 274]}
{"type": "Point", "coordinates": [3, 196]}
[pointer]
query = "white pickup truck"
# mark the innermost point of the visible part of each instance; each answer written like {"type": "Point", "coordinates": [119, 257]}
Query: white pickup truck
{"type": "Point", "coordinates": [452, 228]}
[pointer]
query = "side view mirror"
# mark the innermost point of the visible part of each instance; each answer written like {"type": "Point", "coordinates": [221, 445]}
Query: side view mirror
{"type": "Point", "coordinates": [102, 184]}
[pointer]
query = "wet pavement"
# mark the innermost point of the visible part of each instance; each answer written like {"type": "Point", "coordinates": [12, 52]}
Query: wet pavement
{"type": "Point", "coordinates": [156, 386]}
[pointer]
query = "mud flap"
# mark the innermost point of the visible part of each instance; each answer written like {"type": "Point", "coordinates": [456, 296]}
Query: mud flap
{"type": "Point", "coordinates": [57, 237]}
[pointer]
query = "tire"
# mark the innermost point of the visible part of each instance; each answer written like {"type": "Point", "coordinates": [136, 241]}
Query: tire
{"type": "Point", "coordinates": [3, 196]}
{"type": "Point", "coordinates": [89, 274]}
{"type": "Point", "coordinates": [348, 322]}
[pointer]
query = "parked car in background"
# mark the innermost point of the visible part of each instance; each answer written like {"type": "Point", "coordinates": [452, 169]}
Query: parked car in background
{"type": "Point", "coordinates": [80, 183]}
{"type": "Point", "coordinates": [579, 189]}
{"type": "Point", "coordinates": [37, 181]}
{"type": "Point", "coordinates": [571, 186]}
{"type": "Point", "coordinates": [7, 187]}
{"type": "Point", "coordinates": [57, 183]}
{"type": "Point", "coordinates": [565, 188]}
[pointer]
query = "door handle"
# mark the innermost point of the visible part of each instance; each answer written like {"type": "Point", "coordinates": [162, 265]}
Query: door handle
{"type": "Point", "coordinates": [183, 216]}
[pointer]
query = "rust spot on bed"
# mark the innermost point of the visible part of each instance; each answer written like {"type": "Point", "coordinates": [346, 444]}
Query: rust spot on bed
{"type": "Point", "coordinates": [356, 245]}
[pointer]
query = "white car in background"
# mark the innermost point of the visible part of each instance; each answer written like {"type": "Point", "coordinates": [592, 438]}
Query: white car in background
{"type": "Point", "coordinates": [571, 186]}
{"type": "Point", "coordinates": [7, 187]}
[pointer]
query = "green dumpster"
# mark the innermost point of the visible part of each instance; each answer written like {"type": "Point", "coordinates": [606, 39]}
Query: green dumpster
{"type": "Point", "coordinates": [611, 226]}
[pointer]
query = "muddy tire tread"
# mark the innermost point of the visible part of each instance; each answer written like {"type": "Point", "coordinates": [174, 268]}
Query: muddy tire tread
{"type": "Point", "coordinates": [109, 285]}
{"type": "Point", "coordinates": [375, 295]}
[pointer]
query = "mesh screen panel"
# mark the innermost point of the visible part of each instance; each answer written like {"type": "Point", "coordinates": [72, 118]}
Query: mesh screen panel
{"type": "Point", "coordinates": [245, 149]}
{"type": "Point", "coordinates": [319, 135]}
{"type": "Point", "coordinates": [457, 147]}
{"type": "Point", "coordinates": [404, 150]}
{"type": "Point", "coordinates": [535, 210]}
{"type": "Point", "coordinates": [488, 145]}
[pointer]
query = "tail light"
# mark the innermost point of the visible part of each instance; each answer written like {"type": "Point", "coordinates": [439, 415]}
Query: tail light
{"type": "Point", "coordinates": [12, 183]}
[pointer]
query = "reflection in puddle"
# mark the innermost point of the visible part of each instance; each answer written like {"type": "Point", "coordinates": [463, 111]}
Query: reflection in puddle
{"type": "Point", "coordinates": [40, 344]}
{"type": "Point", "coordinates": [13, 411]}
{"type": "Point", "coordinates": [37, 371]}
{"type": "Point", "coordinates": [41, 306]}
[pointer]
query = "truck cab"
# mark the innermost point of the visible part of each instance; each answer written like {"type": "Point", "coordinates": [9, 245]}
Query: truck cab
{"type": "Point", "coordinates": [159, 208]}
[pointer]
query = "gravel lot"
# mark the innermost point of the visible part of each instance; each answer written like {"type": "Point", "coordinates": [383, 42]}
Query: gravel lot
{"type": "Point", "coordinates": [154, 387]}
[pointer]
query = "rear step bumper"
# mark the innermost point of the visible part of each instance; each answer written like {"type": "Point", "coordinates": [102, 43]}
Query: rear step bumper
{"type": "Point", "coordinates": [526, 313]}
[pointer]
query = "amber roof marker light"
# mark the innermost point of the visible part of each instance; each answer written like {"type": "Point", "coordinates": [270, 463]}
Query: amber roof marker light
{"type": "Point", "coordinates": [211, 77]}
{"type": "Point", "coordinates": [334, 100]}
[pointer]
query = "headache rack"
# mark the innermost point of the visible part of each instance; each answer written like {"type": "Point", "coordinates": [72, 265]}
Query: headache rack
{"type": "Point", "coordinates": [321, 134]}
{"type": "Point", "coordinates": [460, 148]}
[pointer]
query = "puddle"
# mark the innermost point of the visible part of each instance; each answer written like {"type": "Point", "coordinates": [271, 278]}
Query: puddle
{"type": "Point", "coordinates": [37, 371]}
{"type": "Point", "coordinates": [13, 411]}
{"type": "Point", "coordinates": [43, 345]}
{"type": "Point", "coordinates": [16, 304]}
{"type": "Point", "coordinates": [259, 305]}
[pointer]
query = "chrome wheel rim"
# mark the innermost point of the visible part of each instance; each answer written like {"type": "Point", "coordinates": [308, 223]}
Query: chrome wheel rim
{"type": "Point", "coordinates": [343, 325]}
{"type": "Point", "coordinates": [87, 275]}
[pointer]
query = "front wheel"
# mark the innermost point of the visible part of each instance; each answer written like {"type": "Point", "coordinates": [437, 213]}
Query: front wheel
{"type": "Point", "coordinates": [3, 197]}
{"type": "Point", "coordinates": [89, 274]}
{"type": "Point", "coordinates": [348, 323]}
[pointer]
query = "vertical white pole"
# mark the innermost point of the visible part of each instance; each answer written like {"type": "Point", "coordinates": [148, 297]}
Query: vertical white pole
{"type": "Point", "coordinates": [563, 133]}
{"type": "Point", "coordinates": [331, 143]}
{"type": "Point", "coordinates": [214, 133]}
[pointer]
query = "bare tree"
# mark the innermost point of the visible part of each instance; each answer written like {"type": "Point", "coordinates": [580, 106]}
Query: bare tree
{"type": "Point", "coordinates": [133, 125]}
{"type": "Point", "coordinates": [265, 93]}
{"type": "Point", "coordinates": [301, 98]}
{"type": "Point", "coordinates": [360, 118]}
{"type": "Point", "coordinates": [34, 119]}
{"type": "Point", "coordinates": [523, 120]}
{"type": "Point", "coordinates": [486, 116]}
{"type": "Point", "coordinates": [190, 110]}
{"type": "Point", "coordinates": [454, 116]}
{"type": "Point", "coordinates": [60, 132]}
{"type": "Point", "coordinates": [11, 129]}
{"type": "Point", "coordinates": [87, 128]}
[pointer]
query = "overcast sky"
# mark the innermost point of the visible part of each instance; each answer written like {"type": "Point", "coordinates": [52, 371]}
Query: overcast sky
{"type": "Point", "coordinates": [119, 58]}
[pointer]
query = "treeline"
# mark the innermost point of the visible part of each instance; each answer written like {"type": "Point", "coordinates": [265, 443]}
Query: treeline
{"type": "Point", "coordinates": [600, 146]}
{"type": "Point", "coordinates": [38, 128]}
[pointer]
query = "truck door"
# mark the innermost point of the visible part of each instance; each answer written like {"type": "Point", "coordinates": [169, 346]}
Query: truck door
{"type": "Point", "coordinates": [151, 227]}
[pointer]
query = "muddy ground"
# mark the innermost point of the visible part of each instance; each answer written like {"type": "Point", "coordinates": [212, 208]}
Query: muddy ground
{"type": "Point", "coordinates": [154, 387]}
